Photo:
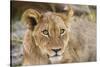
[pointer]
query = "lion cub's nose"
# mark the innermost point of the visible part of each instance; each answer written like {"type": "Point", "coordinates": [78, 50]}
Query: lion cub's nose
{"type": "Point", "coordinates": [56, 50]}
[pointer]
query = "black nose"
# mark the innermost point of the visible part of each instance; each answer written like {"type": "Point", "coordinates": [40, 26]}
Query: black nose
{"type": "Point", "coordinates": [56, 50]}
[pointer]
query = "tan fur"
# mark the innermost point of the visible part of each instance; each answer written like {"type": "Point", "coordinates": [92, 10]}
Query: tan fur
{"type": "Point", "coordinates": [38, 46]}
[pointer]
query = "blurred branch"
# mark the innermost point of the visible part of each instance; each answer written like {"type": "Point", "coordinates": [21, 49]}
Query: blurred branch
{"type": "Point", "coordinates": [17, 40]}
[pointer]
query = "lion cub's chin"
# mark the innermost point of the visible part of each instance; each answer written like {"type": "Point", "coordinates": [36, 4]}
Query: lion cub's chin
{"type": "Point", "coordinates": [55, 59]}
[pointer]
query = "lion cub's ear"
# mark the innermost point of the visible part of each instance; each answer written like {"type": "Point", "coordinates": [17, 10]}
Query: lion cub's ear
{"type": "Point", "coordinates": [69, 15]}
{"type": "Point", "coordinates": [70, 11]}
{"type": "Point", "coordinates": [30, 18]}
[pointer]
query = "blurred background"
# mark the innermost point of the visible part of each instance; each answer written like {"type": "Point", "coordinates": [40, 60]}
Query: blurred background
{"type": "Point", "coordinates": [82, 12]}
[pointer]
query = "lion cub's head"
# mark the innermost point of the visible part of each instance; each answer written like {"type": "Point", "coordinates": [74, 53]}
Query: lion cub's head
{"type": "Point", "coordinates": [50, 32]}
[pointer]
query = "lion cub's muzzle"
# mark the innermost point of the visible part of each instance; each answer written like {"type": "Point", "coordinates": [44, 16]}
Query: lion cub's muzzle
{"type": "Point", "coordinates": [55, 52]}
{"type": "Point", "coordinates": [57, 55]}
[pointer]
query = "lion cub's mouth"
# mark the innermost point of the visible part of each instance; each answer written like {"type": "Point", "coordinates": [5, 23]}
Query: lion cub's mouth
{"type": "Point", "coordinates": [56, 55]}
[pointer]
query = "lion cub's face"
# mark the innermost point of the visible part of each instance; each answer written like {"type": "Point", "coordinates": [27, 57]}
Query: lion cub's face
{"type": "Point", "coordinates": [50, 32]}
{"type": "Point", "coordinates": [51, 35]}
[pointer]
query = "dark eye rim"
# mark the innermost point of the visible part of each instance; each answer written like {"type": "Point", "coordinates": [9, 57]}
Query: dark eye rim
{"type": "Point", "coordinates": [62, 31]}
{"type": "Point", "coordinates": [47, 33]}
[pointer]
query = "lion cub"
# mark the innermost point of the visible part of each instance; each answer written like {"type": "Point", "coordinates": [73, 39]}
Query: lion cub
{"type": "Point", "coordinates": [48, 39]}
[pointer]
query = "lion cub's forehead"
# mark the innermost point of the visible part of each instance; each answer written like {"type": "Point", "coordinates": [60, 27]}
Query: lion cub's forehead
{"type": "Point", "coordinates": [53, 18]}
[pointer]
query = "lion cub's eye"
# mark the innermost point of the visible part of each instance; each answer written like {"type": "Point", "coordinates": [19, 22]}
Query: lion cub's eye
{"type": "Point", "coordinates": [62, 31]}
{"type": "Point", "coordinates": [45, 32]}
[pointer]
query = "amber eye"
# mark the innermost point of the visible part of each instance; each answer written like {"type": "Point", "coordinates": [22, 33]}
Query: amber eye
{"type": "Point", "coordinates": [45, 32]}
{"type": "Point", "coordinates": [62, 31]}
